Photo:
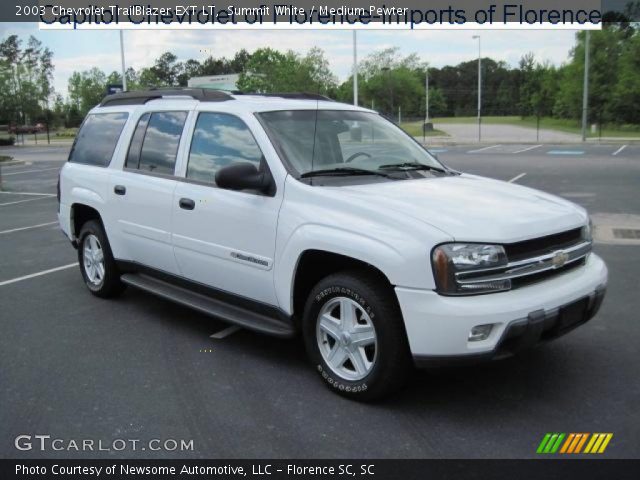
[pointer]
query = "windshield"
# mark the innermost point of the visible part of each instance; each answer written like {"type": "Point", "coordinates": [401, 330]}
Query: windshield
{"type": "Point", "coordinates": [320, 140]}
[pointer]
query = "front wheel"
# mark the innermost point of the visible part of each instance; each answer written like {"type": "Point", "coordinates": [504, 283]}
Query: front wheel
{"type": "Point", "coordinates": [355, 336]}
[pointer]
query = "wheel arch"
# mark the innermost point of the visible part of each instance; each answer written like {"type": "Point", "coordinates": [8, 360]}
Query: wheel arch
{"type": "Point", "coordinates": [81, 213]}
{"type": "Point", "coordinates": [87, 205]}
{"type": "Point", "coordinates": [313, 265]}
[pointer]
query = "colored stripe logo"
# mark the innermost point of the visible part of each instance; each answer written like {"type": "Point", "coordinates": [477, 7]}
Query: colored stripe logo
{"type": "Point", "coordinates": [573, 443]}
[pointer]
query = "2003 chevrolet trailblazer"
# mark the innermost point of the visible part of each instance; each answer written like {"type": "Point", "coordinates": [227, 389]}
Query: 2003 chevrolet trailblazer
{"type": "Point", "coordinates": [288, 213]}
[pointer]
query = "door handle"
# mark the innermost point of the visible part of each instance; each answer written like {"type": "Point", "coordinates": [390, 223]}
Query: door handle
{"type": "Point", "coordinates": [187, 204]}
{"type": "Point", "coordinates": [119, 189]}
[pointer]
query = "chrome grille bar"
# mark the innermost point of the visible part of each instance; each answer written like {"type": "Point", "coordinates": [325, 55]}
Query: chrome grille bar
{"type": "Point", "coordinates": [526, 267]}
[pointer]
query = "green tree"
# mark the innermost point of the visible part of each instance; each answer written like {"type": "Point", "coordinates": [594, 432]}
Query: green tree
{"type": "Point", "coordinates": [270, 71]}
{"type": "Point", "coordinates": [87, 89]}
{"type": "Point", "coordinates": [167, 70]}
{"type": "Point", "coordinates": [606, 47]}
{"type": "Point", "coordinates": [26, 73]}
{"type": "Point", "coordinates": [626, 93]}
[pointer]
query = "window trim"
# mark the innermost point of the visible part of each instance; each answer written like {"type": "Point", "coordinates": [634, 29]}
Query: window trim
{"type": "Point", "coordinates": [175, 163]}
{"type": "Point", "coordinates": [263, 160]}
{"type": "Point", "coordinates": [135, 130]}
{"type": "Point", "coordinates": [115, 147]}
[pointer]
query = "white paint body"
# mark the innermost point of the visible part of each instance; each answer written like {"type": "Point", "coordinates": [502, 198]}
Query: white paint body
{"type": "Point", "coordinates": [391, 225]}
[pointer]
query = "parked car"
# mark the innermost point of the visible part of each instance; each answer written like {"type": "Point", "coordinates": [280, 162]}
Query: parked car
{"type": "Point", "coordinates": [293, 213]}
{"type": "Point", "coordinates": [17, 129]}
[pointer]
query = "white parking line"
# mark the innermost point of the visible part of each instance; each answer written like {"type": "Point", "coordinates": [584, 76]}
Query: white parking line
{"type": "Point", "coordinates": [527, 149]}
{"type": "Point", "coordinates": [516, 178]}
{"type": "Point", "coordinates": [27, 228]}
{"type": "Point", "coordinates": [483, 149]}
{"type": "Point", "coordinates": [30, 171]}
{"type": "Point", "coordinates": [23, 201]}
{"type": "Point", "coordinates": [619, 150]}
{"type": "Point", "coordinates": [225, 333]}
{"type": "Point", "coordinates": [31, 194]}
{"type": "Point", "coordinates": [37, 274]}
{"type": "Point", "coordinates": [19, 165]}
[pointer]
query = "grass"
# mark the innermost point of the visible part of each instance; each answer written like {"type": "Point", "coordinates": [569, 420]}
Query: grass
{"type": "Point", "coordinates": [415, 130]}
{"type": "Point", "coordinates": [4, 158]}
{"type": "Point", "coordinates": [559, 124]}
{"type": "Point", "coordinates": [66, 133]}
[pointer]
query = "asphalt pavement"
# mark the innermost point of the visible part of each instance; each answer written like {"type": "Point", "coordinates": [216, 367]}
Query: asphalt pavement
{"type": "Point", "coordinates": [76, 367]}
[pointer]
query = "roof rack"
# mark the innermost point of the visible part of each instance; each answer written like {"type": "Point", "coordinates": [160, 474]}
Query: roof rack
{"type": "Point", "coordinates": [290, 95]}
{"type": "Point", "coordinates": [141, 97]}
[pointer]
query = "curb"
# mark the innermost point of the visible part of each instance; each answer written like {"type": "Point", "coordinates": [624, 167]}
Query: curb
{"type": "Point", "coordinates": [12, 163]}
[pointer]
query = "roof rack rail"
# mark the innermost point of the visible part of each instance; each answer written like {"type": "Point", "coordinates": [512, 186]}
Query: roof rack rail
{"type": "Point", "coordinates": [290, 95]}
{"type": "Point", "coordinates": [140, 97]}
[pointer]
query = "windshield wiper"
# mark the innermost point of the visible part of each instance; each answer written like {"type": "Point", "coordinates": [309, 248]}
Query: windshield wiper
{"type": "Point", "coordinates": [410, 166]}
{"type": "Point", "coordinates": [345, 171]}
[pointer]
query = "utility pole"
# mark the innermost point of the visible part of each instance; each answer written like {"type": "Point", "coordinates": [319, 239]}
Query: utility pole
{"type": "Point", "coordinates": [124, 76]}
{"type": "Point", "coordinates": [426, 97]}
{"type": "Point", "coordinates": [479, 88]}
{"type": "Point", "coordinates": [387, 71]}
{"type": "Point", "coordinates": [355, 70]}
{"type": "Point", "coordinates": [585, 88]}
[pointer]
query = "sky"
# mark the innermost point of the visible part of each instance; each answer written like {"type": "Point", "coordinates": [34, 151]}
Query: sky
{"type": "Point", "coordinates": [82, 50]}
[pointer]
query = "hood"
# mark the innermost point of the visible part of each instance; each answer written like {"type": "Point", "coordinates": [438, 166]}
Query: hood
{"type": "Point", "coordinates": [472, 208]}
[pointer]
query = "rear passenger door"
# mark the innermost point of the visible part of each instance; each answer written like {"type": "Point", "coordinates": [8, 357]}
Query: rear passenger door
{"type": "Point", "coordinates": [143, 190]}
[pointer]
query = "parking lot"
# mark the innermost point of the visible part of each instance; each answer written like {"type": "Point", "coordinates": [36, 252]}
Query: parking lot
{"type": "Point", "coordinates": [77, 367]}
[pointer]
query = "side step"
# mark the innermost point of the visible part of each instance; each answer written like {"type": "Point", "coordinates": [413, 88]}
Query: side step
{"type": "Point", "coordinates": [263, 323]}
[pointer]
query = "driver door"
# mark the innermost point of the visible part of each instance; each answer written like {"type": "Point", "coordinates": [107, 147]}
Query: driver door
{"type": "Point", "coordinates": [221, 238]}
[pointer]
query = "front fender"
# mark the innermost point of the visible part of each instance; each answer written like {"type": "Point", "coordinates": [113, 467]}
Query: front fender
{"type": "Point", "coordinates": [391, 260]}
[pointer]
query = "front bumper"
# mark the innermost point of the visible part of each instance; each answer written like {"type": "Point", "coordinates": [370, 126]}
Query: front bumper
{"type": "Point", "coordinates": [438, 327]}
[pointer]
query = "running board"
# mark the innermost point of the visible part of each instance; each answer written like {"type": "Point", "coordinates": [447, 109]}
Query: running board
{"type": "Point", "coordinates": [228, 312]}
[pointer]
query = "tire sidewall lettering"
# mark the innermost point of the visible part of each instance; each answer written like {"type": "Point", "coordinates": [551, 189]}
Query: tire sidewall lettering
{"type": "Point", "coordinates": [320, 299]}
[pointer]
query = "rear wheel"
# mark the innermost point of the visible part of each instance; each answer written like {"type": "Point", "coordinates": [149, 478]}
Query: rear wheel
{"type": "Point", "coordinates": [97, 265]}
{"type": "Point", "coordinates": [355, 336]}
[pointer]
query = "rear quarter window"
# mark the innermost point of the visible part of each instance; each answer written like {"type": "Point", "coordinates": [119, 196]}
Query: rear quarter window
{"type": "Point", "coordinates": [97, 139]}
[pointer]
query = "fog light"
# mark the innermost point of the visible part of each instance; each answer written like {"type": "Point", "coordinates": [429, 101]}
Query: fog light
{"type": "Point", "coordinates": [480, 332]}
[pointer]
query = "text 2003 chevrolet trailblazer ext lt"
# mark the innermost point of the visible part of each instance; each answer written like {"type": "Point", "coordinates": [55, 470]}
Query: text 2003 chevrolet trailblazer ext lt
{"type": "Point", "coordinates": [288, 213]}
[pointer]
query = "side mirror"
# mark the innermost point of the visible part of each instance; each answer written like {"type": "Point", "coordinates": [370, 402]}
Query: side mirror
{"type": "Point", "coordinates": [244, 176]}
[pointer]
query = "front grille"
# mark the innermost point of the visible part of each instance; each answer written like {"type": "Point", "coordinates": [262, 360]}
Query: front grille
{"type": "Point", "coordinates": [533, 261]}
{"type": "Point", "coordinates": [540, 246]}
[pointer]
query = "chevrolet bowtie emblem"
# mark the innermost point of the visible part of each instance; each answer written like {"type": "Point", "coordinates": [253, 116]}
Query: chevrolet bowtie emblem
{"type": "Point", "coordinates": [559, 259]}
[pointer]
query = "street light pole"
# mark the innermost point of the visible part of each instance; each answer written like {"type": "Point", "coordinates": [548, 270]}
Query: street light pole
{"type": "Point", "coordinates": [479, 88]}
{"type": "Point", "coordinates": [426, 98]}
{"type": "Point", "coordinates": [387, 71]}
{"type": "Point", "coordinates": [124, 76]}
{"type": "Point", "coordinates": [355, 70]}
{"type": "Point", "coordinates": [585, 88]}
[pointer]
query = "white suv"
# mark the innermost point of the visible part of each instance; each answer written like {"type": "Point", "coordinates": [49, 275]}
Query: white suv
{"type": "Point", "coordinates": [288, 213]}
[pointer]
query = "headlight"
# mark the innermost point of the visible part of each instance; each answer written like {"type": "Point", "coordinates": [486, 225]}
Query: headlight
{"type": "Point", "coordinates": [587, 232]}
{"type": "Point", "coordinates": [452, 258]}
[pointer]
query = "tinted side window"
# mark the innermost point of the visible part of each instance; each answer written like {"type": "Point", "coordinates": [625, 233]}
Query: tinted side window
{"type": "Point", "coordinates": [97, 138]}
{"type": "Point", "coordinates": [133, 156]}
{"type": "Point", "coordinates": [160, 144]}
{"type": "Point", "coordinates": [220, 140]}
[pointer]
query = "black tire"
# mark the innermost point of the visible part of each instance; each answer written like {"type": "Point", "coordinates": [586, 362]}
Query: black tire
{"type": "Point", "coordinates": [110, 284]}
{"type": "Point", "coordinates": [392, 362]}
